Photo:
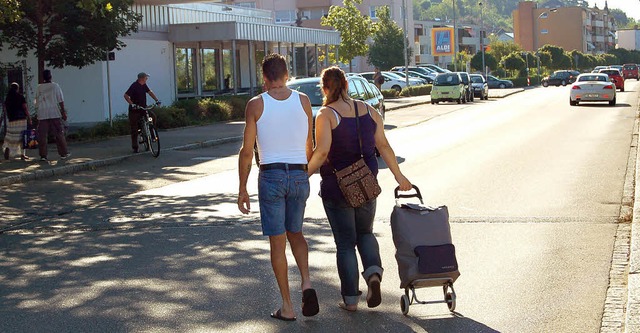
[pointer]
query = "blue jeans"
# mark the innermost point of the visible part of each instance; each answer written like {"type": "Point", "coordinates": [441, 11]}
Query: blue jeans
{"type": "Point", "coordinates": [282, 195]}
{"type": "Point", "coordinates": [353, 227]}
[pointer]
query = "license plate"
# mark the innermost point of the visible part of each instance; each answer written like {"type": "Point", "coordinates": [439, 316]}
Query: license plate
{"type": "Point", "coordinates": [592, 95]}
{"type": "Point", "coordinates": [445, 93]}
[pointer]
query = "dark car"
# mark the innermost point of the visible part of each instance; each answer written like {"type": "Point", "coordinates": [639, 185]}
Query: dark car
{"type": "Point", "coordinates": [559, 78]}
{"type": "Point", "coordinates": [494, 82]}
{"type": "Point", "coordinates": [468, 88]}
{"type": "Point", "coordinates": [480, 86]}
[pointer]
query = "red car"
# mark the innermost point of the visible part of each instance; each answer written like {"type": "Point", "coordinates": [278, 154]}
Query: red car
{"type": "Point", "coordinates": [615, 77]}
{"type": "Point", "coordinates": [630, 71]}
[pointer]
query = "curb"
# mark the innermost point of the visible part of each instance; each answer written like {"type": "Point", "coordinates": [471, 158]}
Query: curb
{"type": "Point", "coordinates": [632, 316]}
{"type": "Point", "coordinates": [92, 165]}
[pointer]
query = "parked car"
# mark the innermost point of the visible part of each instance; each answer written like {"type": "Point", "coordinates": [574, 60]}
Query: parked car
{"type": "Point", "coordinates": [413, 75]}
{"type": "Point", "coordinates": [468, 89]}
{"type": "Point", "coordinates": [435, 68]}
{"type": "Point", "coordinates": [391, 80]}
{"type": "Point", "coordinates": [593, 87]}
{"type": "Point", "coordinates": [421, 70]}
{"type": "Point", "coordinates": [480, 86]}
{"type": "Point", "coordinates": [598, 68]}
{"type": "Point", "coordinates": [428, 78]}
{"type": "Point", "coordinates": [494, 82]}
{"type": "Point", "coordinates": [614, 76]}
{"type": "Point", "coordinates": [447, 87]}
{"type": "Point", "coordinates": [359, 88]}
{"type": "Point", "coordinates": [630, 71]}
{"type": "Point", "coordinates": [562, 77]}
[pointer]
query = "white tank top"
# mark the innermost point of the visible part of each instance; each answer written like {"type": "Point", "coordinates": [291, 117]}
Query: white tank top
{"type": "Point", "coordinates": [282, 130]}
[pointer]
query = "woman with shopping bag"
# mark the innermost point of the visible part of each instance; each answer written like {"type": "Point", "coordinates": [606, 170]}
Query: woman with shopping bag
{"type": "Point", "coordinates": [18, 117]}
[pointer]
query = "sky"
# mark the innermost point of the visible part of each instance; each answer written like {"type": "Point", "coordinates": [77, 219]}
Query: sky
{"type": "Point", "coordinates": [630, 7]}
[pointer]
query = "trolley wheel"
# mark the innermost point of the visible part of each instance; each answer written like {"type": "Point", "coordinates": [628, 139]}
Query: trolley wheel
{"type": "Point", "coordinates": [451, 301]}
{"type": "Point", "coordinates": [404, 304]}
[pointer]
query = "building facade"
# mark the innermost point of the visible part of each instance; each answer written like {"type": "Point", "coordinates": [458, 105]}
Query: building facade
{"type": "Point", "coordinates": [468, 40]}
{"type": "Point", "coordinates": [629, 39]}
{"type": "Point", "coordinates": [189, 50]}
{"type": "Point", "coordinates": [308, 14]}
{"type": "Point", "coordinates": [588, 30]}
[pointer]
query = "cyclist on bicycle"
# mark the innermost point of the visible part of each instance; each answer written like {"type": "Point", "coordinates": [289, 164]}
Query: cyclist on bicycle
{"type": "Point", "coordinates": [136, 96]}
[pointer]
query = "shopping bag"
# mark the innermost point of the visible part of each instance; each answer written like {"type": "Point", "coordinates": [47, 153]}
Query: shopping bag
{"type": "Point", "coordinates": [29, 138]}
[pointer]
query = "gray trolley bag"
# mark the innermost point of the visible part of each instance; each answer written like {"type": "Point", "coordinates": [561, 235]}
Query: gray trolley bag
{"type": "Point", "coordinates": [424, 250]}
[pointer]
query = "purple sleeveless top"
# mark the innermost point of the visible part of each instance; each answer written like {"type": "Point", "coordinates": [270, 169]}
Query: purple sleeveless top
{"type": "Point", "coordinates": [345, 150]}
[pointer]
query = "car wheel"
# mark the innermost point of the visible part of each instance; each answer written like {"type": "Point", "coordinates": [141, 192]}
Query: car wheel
{"type": "Point", "coordinates": [573, 103]}
{"type": "Point", "coordinates": [397, 88]}
{"type": "Point", "coordinates": [545, 84]}
{"type": "Point", "coordinates": [471, 97]}
{"type": "Point", "coordinates": [622, 89]}
{"type": "Point", "coordinates": [502, 86]}
{"type": "Point", "coordinates": [612, 102]}
{"type": "Point", "coordinates": [564, 83]}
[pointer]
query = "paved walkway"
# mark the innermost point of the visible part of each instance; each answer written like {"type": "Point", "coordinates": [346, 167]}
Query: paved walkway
{"type": "Point", "coordinates": [91, 155]}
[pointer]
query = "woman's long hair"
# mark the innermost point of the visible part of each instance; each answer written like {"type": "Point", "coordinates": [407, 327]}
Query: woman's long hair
{"type": "Point", "coordinates": [335, 82]}
{"type": "Point", "coordinates": [14, 91]}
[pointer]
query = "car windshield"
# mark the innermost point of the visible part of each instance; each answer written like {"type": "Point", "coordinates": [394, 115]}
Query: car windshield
{"type": "Point", "coordinates": [311, 89]}
{"type": "Point", "coordinates": [394, 75]}
{"type": "Point", "coordinates": [446, 80]}
{"type": "Point", "coordinates": [477, 79]}
{"type": "Point", "coordinates": [592, 78]}
{"type": "Point", "coordinates": [630, 67]}
{"type": "Point", "coordinates": [610, 72]}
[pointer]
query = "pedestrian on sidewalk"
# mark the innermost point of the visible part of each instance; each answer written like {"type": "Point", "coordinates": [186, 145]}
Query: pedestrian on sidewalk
{"type": "Point", "coordinates": [15, 107]}
{"type": "Point", "coordinates": [378, 79]}
{"type": "Point", "coordinates": [339, 144]}
{"type": "Point", "coordinates": [51, 114]}
{"type": "Point", "coordinates": [136, 96]}
{"type": "Point", "coordinates": [280, 120]}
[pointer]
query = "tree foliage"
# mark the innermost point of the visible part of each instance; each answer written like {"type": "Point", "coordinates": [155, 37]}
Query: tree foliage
{"type": "Point", "coordinates": [500, 49]}
{"type": "Point", "coordinates": [387, 49]}
{"type": "Point", "coordinates": [354, 29]}
{"type": "Point", "coordinates": [513, 61]}
{"type": "Point", "coordinates": [69, 32]}
{"type": "Point", "coordinates": [9, 11]}
{"type": "Point", "coordinates": [489, 61]}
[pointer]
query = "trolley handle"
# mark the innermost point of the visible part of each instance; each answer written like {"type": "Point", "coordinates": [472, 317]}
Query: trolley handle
{"type": "Point", "coordinates": [414, 195]}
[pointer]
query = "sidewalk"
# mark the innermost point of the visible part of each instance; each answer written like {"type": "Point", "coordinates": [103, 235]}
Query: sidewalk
{"type": "Point", "coordinates": [92, 155]}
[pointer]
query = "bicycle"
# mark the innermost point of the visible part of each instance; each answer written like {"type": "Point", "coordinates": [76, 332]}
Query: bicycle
{"type": "Point", "coordinates": [147, 132]}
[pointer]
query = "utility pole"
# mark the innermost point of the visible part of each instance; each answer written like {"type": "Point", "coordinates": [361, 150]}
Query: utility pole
{"type": "Point", "coordinates": [484, 71]}
{"type": "Point", "coordinates": [404, 42]}
{"type": "Point", "coordinates": [455, 39]}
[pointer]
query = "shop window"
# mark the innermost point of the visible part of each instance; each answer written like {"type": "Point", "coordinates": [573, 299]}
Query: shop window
{"type": "Point", "coordinates": [209, 69]}
{"type": "Point", "coordinates": [184, 70]}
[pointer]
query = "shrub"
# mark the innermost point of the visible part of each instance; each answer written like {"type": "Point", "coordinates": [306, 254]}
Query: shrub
{"type": "Point", "coordinates": [171, 117]}
{"type": "Point", "coordinates": [420, 90]}
{"type": "Point", "coordinates": [390, 93]}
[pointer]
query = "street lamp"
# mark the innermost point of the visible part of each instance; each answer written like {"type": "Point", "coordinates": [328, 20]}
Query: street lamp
{"type": "Point", "coordinates": [535, 35]}
{"type": "Point", "coordinates": [455, 40]}
{"type": "Point", "coordinates": [484, 71]}
{"type": "Point", "coordinates": [404, 42]}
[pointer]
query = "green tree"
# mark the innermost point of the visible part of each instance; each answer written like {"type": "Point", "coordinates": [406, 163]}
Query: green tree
{"type": "Point", "coordinates": [489, 61]}
{"type": "Point", "coordinates": [388, 44]}
{"type": "Point", "coordinates": [354, 29]}
{"type": "Point", "coordinates": [513, 62]}
{"type": "Point", "coordinates": [69, 32]}
{"type": "Point", "coordinates": [9, 11]}
{"type": "Point", "coordinates": [500, 49]}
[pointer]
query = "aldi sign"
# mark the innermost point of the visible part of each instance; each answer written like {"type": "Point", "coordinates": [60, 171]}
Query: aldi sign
{"type": "Point", "coordinates": [442, 41]}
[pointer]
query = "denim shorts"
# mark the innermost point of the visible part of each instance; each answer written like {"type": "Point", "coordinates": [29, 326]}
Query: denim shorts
{"type": "Point", "coordinates": [282, 195]}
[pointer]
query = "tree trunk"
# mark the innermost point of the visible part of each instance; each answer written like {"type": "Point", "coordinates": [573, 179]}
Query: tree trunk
{"type": "Point", "coordinates": [40, 47]}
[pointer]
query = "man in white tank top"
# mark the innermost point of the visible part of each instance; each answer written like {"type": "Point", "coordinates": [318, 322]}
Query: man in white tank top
{"type": "Point", "coordinates": [280, 121]}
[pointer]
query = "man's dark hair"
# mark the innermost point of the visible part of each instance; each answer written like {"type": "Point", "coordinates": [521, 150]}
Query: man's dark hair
{"type": "Point", "coordinates": [274, 67]}
{"type": "Point", "coordinates": [46, 75]}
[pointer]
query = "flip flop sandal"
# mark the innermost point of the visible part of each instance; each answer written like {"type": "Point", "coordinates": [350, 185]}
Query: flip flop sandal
{"type": "Point", "coordinates": [278, 315]}
{"type": "Point", "coordinates": [310, 306]}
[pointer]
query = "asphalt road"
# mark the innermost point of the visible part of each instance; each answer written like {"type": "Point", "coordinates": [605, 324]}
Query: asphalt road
{"type": "Point", "coordinates": [533, 186]}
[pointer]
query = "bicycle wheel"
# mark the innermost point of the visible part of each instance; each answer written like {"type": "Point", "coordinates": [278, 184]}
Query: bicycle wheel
{"type": "Point", "coordinates": [154, 140]}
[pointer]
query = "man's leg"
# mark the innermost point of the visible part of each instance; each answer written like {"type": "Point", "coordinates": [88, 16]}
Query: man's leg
{"type": "Point", "coordinates": [300, 251]}
{"type": "Point", "coordinates": [43, 134]}
{"type": "Point", "coordinates": [61, 140]}
{"type": "Point", "coordinates": [279, 264]}
{"type": "Point", "coordinates": [134, 118]}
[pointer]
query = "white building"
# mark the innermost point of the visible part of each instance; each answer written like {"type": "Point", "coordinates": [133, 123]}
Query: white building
{"type": "Point", "coordinates": [468, 40]}
{"type": "Point", "coordinates": [186, 48]}
{"type": "Point", "coordinates": [629, 39]}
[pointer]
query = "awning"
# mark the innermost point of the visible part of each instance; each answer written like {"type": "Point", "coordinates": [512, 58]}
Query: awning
{"type": "Point", "coordinates": [233, 30]}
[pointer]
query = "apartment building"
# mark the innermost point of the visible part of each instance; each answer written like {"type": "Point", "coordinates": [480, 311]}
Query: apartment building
{"type": "Point", "coordinates": [468, 40]}
{"type": "Point", "coordinates": [588, 30]}
{"type": "Point", "coordinates": [629, 38]}
{"type": "Point", "coordinates": [190, 50]}
{"type": "Point", "coordinates": [308, 13]}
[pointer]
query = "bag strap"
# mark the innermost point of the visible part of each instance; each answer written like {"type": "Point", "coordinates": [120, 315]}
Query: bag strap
{"type": "Point", "coordinates": [355, 105]}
